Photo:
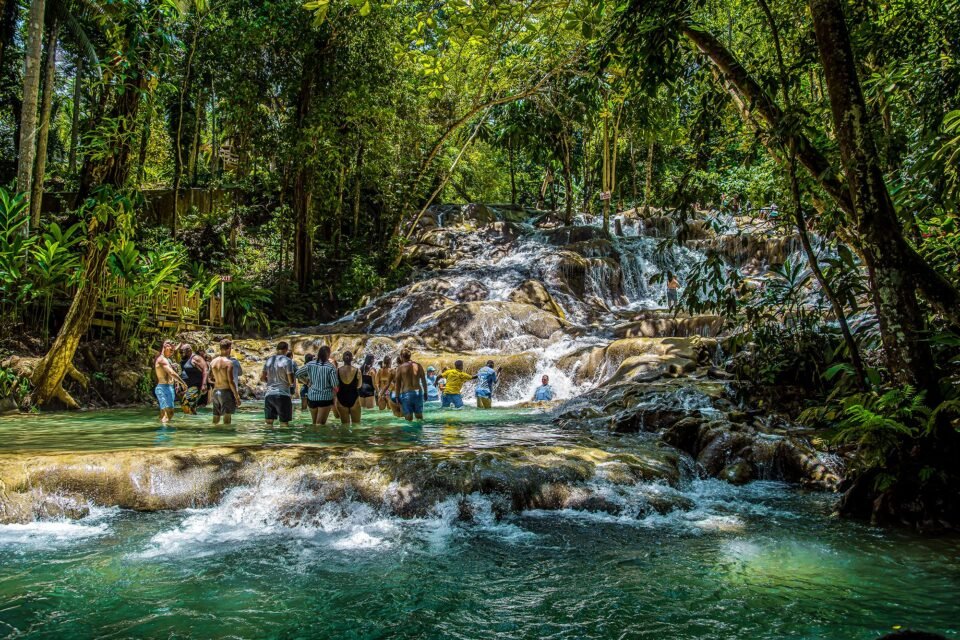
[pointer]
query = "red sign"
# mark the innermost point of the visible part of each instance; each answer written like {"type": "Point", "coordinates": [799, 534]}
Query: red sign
{"type": "Point", "coordinates": [226, 278]}
{"type": "Point", "coordinates": [604, 195]}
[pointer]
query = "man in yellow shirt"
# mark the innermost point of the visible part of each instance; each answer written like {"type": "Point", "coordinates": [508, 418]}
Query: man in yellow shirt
{"type": "Point", "coordinates": [455, 378]}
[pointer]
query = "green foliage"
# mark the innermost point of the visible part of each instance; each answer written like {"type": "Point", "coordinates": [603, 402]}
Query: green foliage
{"type": "Point", "coordinates": [54, 267]}
{"type": "Point", "coordinates": [15, 249]}
{"type": "Point", "coordinates": [246, 305]}
{"type": "Point", "coordinates": [13, 385]}
{"type": "Point", "coordinates": [883, 427]}
{"type": "Point", "coordinates": [141, 277]}
{"type": "Point", "coordinates": [361, 279]}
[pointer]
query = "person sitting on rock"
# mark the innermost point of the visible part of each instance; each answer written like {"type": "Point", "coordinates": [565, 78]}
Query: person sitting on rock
{"type": "Point", "coordinates": [486, 381]}
{"type": "Point", "coordinates": [454, 383]}
{"type": "Point", "coordinates": [544, 392]}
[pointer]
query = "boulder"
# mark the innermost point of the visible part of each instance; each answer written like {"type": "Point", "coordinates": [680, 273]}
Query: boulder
{"type": "Point", "coordinates": [740, 472]}
{"type": "Point", "coordinates": [471, 291]}
{"type": "Point", "coordinates": [533, 292]}
{"type": "Point", "coordinates": [125, 387]}
{"type": "Point", "coordinates": [8, 405]}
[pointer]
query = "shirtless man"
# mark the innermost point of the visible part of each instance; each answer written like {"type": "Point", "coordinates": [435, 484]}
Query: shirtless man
{"type": "Point", "coordinates": [410, 381]}
{"type": "Point", "coordinates": [226, 396]}
{"type": "Point", "coordinates": [166, 379]}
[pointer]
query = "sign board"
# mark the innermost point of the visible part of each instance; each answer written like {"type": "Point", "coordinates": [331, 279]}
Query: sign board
{"type": "Point", "coordinates": [226, 278]}
{"type": "Point", "coordinates": [604, 195]}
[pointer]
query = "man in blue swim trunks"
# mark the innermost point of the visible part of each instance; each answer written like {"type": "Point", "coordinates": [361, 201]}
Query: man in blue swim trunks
{"type": "Point", "coordinates": [167, 378]}
{"type": "Point", "coordinates": [410, 381]}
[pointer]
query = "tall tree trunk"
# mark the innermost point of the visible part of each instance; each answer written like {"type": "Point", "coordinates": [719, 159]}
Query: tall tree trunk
{"type": "Point", "coordinates": [111, 170]}
{"type": "Point", "coordinates": [195, 143]}
{"type": "Point", "coordinates": [337, 230]}
{"type": "Point", "coordinates": [31, 96]}
{"type": "Point", "coordinates": [893, 285]}
{"type": "Point", "coordinates": [513, 174]}
{"type": "Point", "coordinates": [605, 182]}
{"type": "Point", "coordinates": [46, 108]}
{"type": "Point", "coordinates": [214, 138]}
{"type": "Point", "coordinates": [6, 35]}
{"type": "Point", "coordinates": [145, 143]}
{"type": "Point", "coordinates": [178, 136]}
{"type": "Point", "coordinates": [302, 201]}
{"type": "Point", "coordinates": [75, 120]}
{"type": "Point", "coordinates": [567, 182]}
{"type": "Point", "coordinates": [648, 182]}
{"type": "Point", "coordinates": [357, 184]}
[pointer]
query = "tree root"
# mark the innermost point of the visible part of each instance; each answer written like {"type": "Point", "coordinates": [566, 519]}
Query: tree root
{"type": "Point", "coordinates": [77, 376]}
{"type": "Point", "coordinates": [64, 397]}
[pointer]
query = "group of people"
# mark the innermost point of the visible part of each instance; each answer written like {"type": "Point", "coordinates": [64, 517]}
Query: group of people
{"type": "Point", "coordinates": [326, 386]}
{"type": "Point", "coordinates": [201, 381]}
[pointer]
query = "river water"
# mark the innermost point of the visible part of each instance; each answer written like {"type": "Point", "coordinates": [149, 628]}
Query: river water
{"type": "Point", "coordinates": [762, 561]}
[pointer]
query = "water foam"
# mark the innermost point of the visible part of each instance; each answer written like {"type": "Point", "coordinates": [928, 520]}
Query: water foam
{"type": "Point", "coordinates": [43, 534]}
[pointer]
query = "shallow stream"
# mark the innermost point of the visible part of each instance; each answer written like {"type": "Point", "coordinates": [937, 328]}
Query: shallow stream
{"type": "Point", "coordinates": [762, 561]}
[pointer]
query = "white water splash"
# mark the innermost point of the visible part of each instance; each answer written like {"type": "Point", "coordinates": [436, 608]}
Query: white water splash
{"type": "Point", "coordinates": [44, 534]}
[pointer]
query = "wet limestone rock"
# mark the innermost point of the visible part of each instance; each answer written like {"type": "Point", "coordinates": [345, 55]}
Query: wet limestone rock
{"type": "Point", "coordinates": [407, 311]}
{"type": "Point", "coordinates": [533, 292]}
{"type": "Point", "coordinates": [655, 325]}
{"type": "Point", "coordinates": [408, 482]}
{"type": "Point", "coordinates": [489, 324]}
{"type": "Point", "coordinates": [738, 473]}
{"type": "Point", "coordinates": [471, 291]}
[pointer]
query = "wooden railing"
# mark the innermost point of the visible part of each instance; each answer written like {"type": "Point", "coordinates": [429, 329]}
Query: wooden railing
{"type": "Point", "coordinates": [167, 304]}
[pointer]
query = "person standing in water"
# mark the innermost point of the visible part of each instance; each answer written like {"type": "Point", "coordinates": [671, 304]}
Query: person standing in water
{"type": "Point", "coordinates": [167, 380]}
{"type": "Point", "coordinates": [322, 376]}
{"type": "Point", "coordinates": [348, 391]}
{"type": "Point", "coordinates": [368, 391]}
{"type": "Point", "coordinates": [544, 392]}
{"type": "Point", "coordinates": [226, 392]}
{"type": "Point", "coordinates": [433, 392]}
{"type": "Point", "coordinates": [673, 286]}
{"type": "Point", "coordinates": [455, 378]}
{"type": "Point", "coordinates": [486, 381]}
{"type": "Point", "coordinates": [383, 380]}
{"type": "Point", "coordinates": [305, 387]}
{"type": "Point", "coordinates": [193, 371]}
{"type": "Point", "coordinates": [279, 374]}
{"type": "Point", "coordinates": [411, 384]}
